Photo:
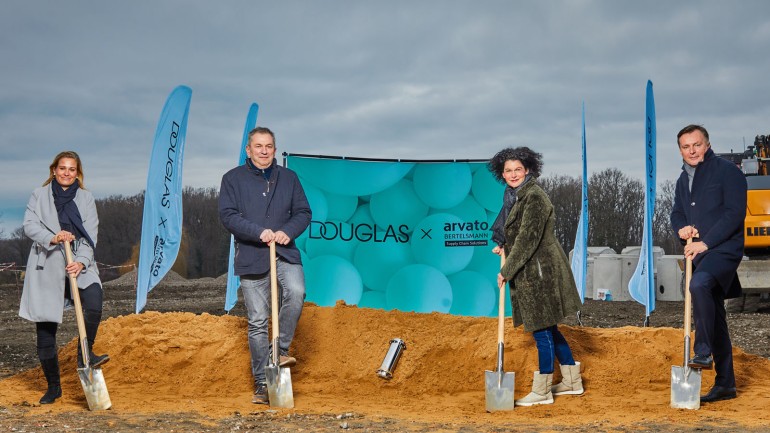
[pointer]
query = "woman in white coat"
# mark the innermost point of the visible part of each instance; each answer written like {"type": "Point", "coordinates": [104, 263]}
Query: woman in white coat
{"type": "Point", "coordinates": [62, 210]}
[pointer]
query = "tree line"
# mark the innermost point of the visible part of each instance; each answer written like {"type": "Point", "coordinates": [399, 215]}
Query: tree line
{"type": "Point", "coordinates": [615, 211]}
{"type": "Point", "coordinates": [203, 251]}
{"type": "Point", "coordinates": [616, 215]}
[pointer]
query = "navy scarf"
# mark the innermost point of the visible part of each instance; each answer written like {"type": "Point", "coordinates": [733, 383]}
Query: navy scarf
{"type": "Point", "coordinates": [69, 215]}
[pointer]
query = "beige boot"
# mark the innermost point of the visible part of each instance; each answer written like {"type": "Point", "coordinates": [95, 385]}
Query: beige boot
{"type": "Point", "coordinates": [541, 391]}
{"type": "Point", "coordinates": [571, 381]}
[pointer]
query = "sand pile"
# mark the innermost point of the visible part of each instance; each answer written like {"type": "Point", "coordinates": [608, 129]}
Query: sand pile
{"type": "Point", "coordinates": [182, 362]}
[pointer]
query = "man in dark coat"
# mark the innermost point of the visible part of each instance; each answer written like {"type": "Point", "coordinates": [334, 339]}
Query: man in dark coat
{"type": "Point", "coordinates": [260, 203]}
{"type": "Point", "coordinates": [709, 208]}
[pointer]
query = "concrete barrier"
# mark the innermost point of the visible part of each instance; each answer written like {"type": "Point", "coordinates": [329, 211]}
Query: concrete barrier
{"type": "Point", "coordinates": [754, 276]}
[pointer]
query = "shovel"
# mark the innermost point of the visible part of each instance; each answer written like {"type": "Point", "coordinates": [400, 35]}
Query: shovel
{"type": "Point", "coordinates": [499, 385]}
{"type": "Point", "coordinates": [92, 379]}
{"type": "Point", "coordinates": [686, 381]}
{"type": "Point", "coordinates": [278, 379]}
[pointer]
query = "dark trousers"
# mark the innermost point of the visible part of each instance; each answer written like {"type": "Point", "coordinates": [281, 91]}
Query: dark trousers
{"type": "Point", "coordinates": [91, 297]}
{"type": "Point", "coordinates": [711, 333]}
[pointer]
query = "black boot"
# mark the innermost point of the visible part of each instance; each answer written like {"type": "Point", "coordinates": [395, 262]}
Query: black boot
{"type": "Point", "coordinates": [92, 318]}
{"type": "Point", "coordinates": [96, 361]}
{"type": "Point", "coordinates": [51, 371]}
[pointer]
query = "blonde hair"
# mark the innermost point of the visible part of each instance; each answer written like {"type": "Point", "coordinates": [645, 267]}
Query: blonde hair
{"type": "Point", "coordinates": [55, 163]}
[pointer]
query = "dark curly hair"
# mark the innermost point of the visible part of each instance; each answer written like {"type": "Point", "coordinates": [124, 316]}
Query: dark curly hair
{"type": "Point", "coordinates": [530, 159]}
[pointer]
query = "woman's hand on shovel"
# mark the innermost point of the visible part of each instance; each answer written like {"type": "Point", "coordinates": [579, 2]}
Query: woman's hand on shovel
{"type": "Point", "coordinates": [74, 269]}
{"type": "Point", "coordinates": [62, 236]}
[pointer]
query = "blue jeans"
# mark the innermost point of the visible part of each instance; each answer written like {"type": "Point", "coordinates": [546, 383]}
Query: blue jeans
{"type": "Point", "coordinates": [550, 344]}
{"type": "Point", "coordinates": [256, 296]}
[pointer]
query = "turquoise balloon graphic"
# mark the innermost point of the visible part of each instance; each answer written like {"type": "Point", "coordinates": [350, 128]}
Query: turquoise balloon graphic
{"type": "Point", "coordinates": [362, 216]}
{"type": "Point", "coordinates": [488, 266]}
{"type": "Point", "coordinates": [419, 288]}
{"type": "Point", "coordinates": [398, 205]}
{"type": "Point", "coordinates": [300, 241]}
{"type": "Point", "coordinates": [472, 294]}
{"type": "Point", "coordinates": [469, 210]}
{"type": "Point", "coordinates": [346, 177]}
{"type": "Point", "coordinates": [318, 204]}
{"type": "Point", "coordinates": [329, 279]}
{"type": "Point", "coordinates": [442, 185]}
{"type": "Point", "coordinates": [378, 261]}
{"type": "Point", "coordinates": [492, 214]}
{"type": "Point", "coordinates": [487, 191]}
{"type": "Point", "coordinates": [485, 262]}
{"type": "Point", "coordinates": [341, 207]}
{"type": "Point", "coordinates": [428, 244]}
{"type": "Point", "coordinates": [372, 299]}
{"type": "Point", "coordinates": [476, 166]}
{"type": "Point", "coordinates": [357, 203]}
{"type": "Point", "coordinates": [331, 238]}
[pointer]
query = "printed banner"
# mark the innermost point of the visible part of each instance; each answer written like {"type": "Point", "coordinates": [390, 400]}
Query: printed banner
{"type": "Point", "coordinates": [410, 236]}
{"type": "Point", "coordinates": [580, 252]}
{"type": "Point", "coordinates": [641, 287]}
{"type": "Point", "coordinates": [162, 217]}
{"type": "Point", "coordinates": [233, 281]}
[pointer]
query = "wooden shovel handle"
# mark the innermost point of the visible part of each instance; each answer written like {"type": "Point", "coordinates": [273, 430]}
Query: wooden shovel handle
{"type": "Point", "coordinates": [501, 306]}
{"type": "Point", "coordinates": [78, 308]}
{"type": "Point", "coordinates": [274, 301]}
{"type": "Point", "coordinates": [687, 296]}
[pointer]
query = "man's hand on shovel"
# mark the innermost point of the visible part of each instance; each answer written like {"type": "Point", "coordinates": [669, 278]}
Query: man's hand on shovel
{"type": "Point", "coordinates": [693, 248]}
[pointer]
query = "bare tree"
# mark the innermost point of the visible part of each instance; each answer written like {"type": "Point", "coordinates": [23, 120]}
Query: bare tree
{"type": "Point", "coordinates": [616, 209]}
{"type": "Point", "coordinates": [206, 242]}
{"type": "Point", "coordinates": [20, 246]}
{"type": "Point", "coordinates": [120, 228]}
{"type": "Point", "coordinates": [662, 233]}
{"type": "Point", "coordinates": [565, 194]}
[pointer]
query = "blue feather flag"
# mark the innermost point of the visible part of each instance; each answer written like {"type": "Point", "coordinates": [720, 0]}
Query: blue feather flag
{"type": "Point", "coordinates": [162, 216]}
{"type": "Point", "coordinates": [233, 281]}
{"type": "Point", "coordinates": [641, 287]}
{"type": "Point", "coordinates": [580, 252]}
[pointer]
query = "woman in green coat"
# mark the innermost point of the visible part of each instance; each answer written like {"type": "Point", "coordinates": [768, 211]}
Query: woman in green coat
{"type": "Point", "coordinates": [542, 287]}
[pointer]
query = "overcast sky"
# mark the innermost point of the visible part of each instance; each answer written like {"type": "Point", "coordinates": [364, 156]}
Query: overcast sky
{"type": "Point", "coordinates": [387, 79]}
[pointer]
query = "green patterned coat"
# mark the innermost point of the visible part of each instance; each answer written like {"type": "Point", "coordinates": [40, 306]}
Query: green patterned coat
{"type": "Point", "coordinates": [543, 289]}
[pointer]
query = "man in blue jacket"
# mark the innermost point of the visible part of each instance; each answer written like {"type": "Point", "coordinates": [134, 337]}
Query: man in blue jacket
{"type": "Point", "coordinates": [710, 207]}
{"type": "Point", "coordinates": [261, 202]}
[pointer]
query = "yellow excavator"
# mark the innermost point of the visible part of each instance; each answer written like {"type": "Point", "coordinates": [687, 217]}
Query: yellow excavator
{"type": "Point", "coordinates": [755, 164]}
{"type": "Point", "coordinates": [754, 273]}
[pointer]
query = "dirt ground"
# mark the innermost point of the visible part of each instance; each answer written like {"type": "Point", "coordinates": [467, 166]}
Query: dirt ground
{"type": "Point", "coordinates": [183, 366]}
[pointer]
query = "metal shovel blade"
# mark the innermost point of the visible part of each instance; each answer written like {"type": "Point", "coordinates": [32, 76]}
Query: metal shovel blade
{"type": "Point", "coordinates": [279, 386]}
{"type": "Point", "coordinates": [685, 387]}
{"type": "Point", "coordinates": [499, 390]}
{"type": "Point", "coordinates": [94, 388]}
